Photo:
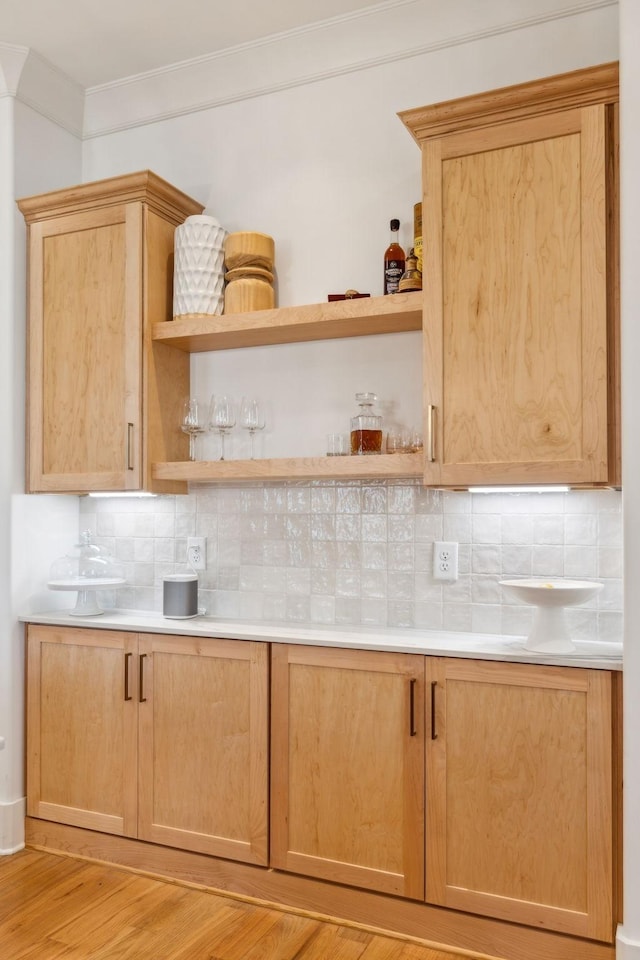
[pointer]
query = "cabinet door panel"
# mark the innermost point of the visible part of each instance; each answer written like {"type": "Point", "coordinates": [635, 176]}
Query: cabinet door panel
{"type": "Point", "coordinates": [516, 321]}
{"type": "Point", "coordinates": [85, 350]}
{"type": "Point", "coordinates": [519, 794]}
{"type": "Point", "coordinates": [347, 771]}
{"type": "Point", "coordinates": [82, 736]}
{"type": "Point", "coordinates": [203, 745]}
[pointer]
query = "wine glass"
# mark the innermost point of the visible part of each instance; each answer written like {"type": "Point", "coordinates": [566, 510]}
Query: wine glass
{"type": "Point", "coordinates": [192, 423]}
{"type": "Point", "coordinates": [222, 417]}
{"type": "Point", "coordinates": [251, 419]}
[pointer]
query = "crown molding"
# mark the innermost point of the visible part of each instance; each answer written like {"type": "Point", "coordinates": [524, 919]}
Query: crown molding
{"type": "Point", "coordinates": [377, 35]}
{"type": "Point", "coordinates": [12, 61]}
{"type": "Point", "coordinates": [579, 88]}
{"type": "Point", "coordinates": [34, 81]}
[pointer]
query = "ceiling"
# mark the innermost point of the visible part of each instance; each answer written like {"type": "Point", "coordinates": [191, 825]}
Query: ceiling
{"type": "Point", "coordinates": [94, 42]}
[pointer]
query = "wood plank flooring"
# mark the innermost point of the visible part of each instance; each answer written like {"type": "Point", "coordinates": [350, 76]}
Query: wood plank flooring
{"type": "Point", "coordinates": [61, 908]}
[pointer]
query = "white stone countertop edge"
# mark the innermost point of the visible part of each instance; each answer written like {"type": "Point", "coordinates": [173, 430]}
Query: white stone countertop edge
{"type": "Point", "coordinates": [479, 646]}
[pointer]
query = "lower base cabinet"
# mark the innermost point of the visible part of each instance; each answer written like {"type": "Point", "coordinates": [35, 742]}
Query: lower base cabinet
{"type": "Point", "coordinates": [482, 789]}
{"type": "Point", "coordinates": [347, 772]}
{"type": "Point", "coordinates": [519, 794]}
{"type": "Point", "coordinates": [159, 737]}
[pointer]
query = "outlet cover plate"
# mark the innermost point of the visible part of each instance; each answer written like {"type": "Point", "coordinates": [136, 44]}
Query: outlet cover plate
{"type": "Point", "coordinates": [197, 553]}
{"type": "Point", "coordinates": [445, 560]}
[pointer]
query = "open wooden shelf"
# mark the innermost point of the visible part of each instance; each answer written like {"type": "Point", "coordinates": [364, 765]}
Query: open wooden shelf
{"type": "Point", "coordinates": [383, 467]}
{"type": "Point", "coordinates": [319, 321]}
{"type": "Point", "coordinates": [316, 321]}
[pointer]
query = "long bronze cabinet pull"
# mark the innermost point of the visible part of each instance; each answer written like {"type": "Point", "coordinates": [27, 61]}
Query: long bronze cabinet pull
{"type": "Point", "coordinates": [127, 677]}
{"type": "Point", "coordinates": [127, 662]}
{"type": "Point", "coordinates": [434, 735]}
{"type": "Point", "coordinates": [412, 707]}
{"type": "Point", "coordinates": [129, 446]}
{"type": "Point", "coordinates": [141, 696]}
{"type": "Point", "coordinates": [431, 433]}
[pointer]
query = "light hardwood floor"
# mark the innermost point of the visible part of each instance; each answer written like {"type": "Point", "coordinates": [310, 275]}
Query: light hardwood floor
{"type": "Point", "coordinates": [60, 908]}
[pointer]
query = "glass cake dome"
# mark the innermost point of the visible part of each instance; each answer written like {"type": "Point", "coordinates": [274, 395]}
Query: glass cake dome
{"type": "Point", "coordinates": [86, 569]}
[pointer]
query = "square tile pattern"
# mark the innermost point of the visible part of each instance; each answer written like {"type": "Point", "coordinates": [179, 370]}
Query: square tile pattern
{"type": "Point", "coordinates": [361, 552]}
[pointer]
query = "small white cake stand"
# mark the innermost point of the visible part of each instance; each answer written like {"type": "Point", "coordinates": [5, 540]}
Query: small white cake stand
{"type": "Point", "coordinates": [86, 603]}
{"type": "Point", "coordinates": [549, 633]}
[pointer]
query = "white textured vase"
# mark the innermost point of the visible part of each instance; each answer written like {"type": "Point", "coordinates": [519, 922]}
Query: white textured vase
{"type": "Point", "coordinates": [198, 271]}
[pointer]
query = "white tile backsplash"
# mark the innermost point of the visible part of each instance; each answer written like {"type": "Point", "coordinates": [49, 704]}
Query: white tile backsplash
{"type": "Point", "coordinates": [361, 552]}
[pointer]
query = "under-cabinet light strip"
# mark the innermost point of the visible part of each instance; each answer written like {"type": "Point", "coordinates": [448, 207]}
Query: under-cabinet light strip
{"type": "Point", "coordinates": [123, 493]}
{"type": "Point", "coordinates": [520, 489]}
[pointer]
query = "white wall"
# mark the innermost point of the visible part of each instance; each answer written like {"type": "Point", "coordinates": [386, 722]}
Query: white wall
{"type": "Point", "coordinates": [323, 167]}
{"type": "Point", "coordinates": [629, 935]}
{"type": "Point", "coordinates": [10, 660]}
{"type": "Point", "coordinates": [32, 525]}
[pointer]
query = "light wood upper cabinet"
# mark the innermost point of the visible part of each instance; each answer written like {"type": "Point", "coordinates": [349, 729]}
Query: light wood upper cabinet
{"type": "Point", "coordinates": [104, 400]}
{"type": "Point", "coordinates": [347, 768]}
{"type": "Point", "coordinates": [520, 283]}
{"type": "Point", "coordinates": [159, 737]}
{"type": "Point", "coordinates": [519, 794]}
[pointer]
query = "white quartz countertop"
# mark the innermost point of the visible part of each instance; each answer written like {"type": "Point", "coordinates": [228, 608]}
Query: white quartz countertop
{"type": "Point", "coordinates": [479, 646]}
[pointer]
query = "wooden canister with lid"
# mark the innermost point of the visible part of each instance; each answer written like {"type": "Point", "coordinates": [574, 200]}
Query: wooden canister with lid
{"type": "Point", "coordinates": [249, 259]}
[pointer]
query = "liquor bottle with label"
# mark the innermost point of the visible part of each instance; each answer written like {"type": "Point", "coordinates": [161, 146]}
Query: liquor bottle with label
{"type": "Point", "coordinates": [394, 260]}
{"type": "Point", "coordinates": [417, 233]}
{"type": "Point", "coordinates": [411, 279]}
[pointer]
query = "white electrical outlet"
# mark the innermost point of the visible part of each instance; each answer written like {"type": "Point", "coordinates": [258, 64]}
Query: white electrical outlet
{"type": "Point", "coordinates": [197, 553]}
{"type": "Point", "coordinates": [445, 560]}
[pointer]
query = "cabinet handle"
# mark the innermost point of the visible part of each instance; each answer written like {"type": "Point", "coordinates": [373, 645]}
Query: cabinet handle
{"type": "Point", "coordinates": [431, 433]}
{"type": "Point", "coordinates": [141, 696]}
{"type": "Point", "coordinates": [434, 684]}
{"type": "Point", "coordinates": [127, 692]}
{"type": "Point", "coordinates": [412, 708]}
{"type": "Point", "coordinates": [129, 446]}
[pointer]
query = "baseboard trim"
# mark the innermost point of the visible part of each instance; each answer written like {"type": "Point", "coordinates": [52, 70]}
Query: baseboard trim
{"type": "Point", "coordinates": [435, 926]}
{"type": "Point", "coordinates": [12, 827]}
{"type": "Point", "coordinates": [626, 948]}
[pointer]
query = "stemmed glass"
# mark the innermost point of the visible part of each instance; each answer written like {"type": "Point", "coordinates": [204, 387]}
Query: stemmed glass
{"type": "Point", "coordinates": [222, 418]}
{"type": "Point", "coordinates": [192, 423]}
{"type": "Point", "coordinates": [251, 419]}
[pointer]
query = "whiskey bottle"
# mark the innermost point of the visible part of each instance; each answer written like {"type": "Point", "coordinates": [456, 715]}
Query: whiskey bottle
{"type": "Point", "coordinates": [411, 279]}
{"type": "Point", "coordinates": [394, 260]}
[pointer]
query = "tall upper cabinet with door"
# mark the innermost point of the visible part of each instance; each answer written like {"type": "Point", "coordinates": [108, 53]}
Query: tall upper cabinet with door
{"type": "Point", "coordinates": [520, 226]}
{"type": "Point", "coordinates": [101, 393]}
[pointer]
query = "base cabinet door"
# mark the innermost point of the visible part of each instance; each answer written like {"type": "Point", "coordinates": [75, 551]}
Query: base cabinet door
{"type": "Point", "coordinates": [519, 794]}
{"type": "Point", "coordinates": [203, 715]}
{"type": "Point", "coordinates": [81, 729]}
{"type": "Point", "coordinates": [347, 781]}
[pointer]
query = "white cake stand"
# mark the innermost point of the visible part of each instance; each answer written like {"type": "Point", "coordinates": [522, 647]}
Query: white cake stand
{"type": "Point", "coordinates": [86, 603]}
{"type": "Point", "coordinates": [549, 633]}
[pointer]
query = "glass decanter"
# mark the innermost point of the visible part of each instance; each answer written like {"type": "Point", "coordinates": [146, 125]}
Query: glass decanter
{"type": "Point", "coordinates": [366, 427]}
